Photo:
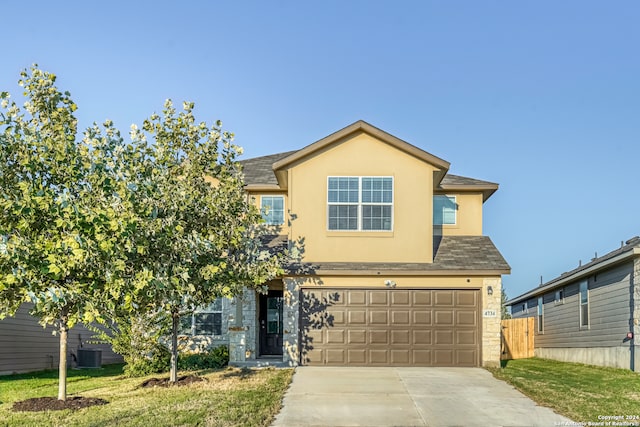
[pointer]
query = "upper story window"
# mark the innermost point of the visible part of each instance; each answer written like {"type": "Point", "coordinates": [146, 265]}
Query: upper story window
{"type": "Point", "coordinates": [205, 320]}
{"type": "Point", "coordinates": [272, 209]}
{"type": "Point", "coordinates": [444, 210]}
{"type": "Point", "coordinates": [559, 297]}
{"type": "Point", "coordinates": [584, 304]}
{"type": "Point", "coordinates": [360, 203]}
{"type": "Point", "coordinates": [540, 315]}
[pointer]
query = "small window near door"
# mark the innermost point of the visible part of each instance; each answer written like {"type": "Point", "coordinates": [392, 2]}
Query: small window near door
{"type": "Point", "coordinates": [540, 315]}
{"type": "Point", "coordinates": [205, 320]}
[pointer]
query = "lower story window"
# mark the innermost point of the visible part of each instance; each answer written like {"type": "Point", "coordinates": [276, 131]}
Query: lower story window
{"type": "Point", "coordinates": [205, 320]}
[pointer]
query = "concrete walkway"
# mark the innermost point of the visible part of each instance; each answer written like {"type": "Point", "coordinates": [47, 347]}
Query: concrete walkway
{"type": "Point", "coordinates": [336, 396]}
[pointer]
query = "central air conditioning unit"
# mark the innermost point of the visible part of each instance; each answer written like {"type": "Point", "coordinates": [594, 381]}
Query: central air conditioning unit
{"type": "Point", "coordinates": [89, 358]}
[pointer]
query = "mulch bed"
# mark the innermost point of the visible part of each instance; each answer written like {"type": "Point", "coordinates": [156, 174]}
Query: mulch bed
{"type": "Point", "coordinates": [164, 382]}
{"type": "Point", "coordinates": [37, 404]}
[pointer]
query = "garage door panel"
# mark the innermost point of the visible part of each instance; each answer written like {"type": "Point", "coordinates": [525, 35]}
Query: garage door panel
{"type": "Point", "coordinates": [443, 337]}
{"type": "Point", "coordinates": [466, 337]}
{"type": "Point", "coordinates": [400, 337]}
{"type": "Point", "coordinates": [400, 357]}
{"type": "Point", "coordinates": [443, 298]}
{"type": "Point", "coordinates": [466, 357]}
{"type": "Point", "coordinates": [378, 356]}
{"type": "Point", "coordinates": [378, 298]}
{"type": "Point", "coordinates": [357, 336]}
{"type": "Point", "coordinates": [336, 356]}
{"type": "Point", "coordinates": [357, 356]}
{"type": "Point", "coordinates": [400, 318]}
{"type": "Point", "coordinates": [422, 357]}
{"type": "Point", "coordinates": [378, 317]}
{"type": "Point", "coordinates": [444, 318]}
{"type": "Point", "coordinates": [378, 336]}
{"type": "Point", "coordinates": [357, 298]}
{"type": "Point", "coordinates": [336, 336]}
{"type": "Point", "coordinates": [357, 317]}
{"type": "Point", "coordinates": [391, 327]}
{"type": "Point", "coordinates": [422, 337]}
{"type": "Point", "coordinates": [466, 318]}
{"type": "Point", "coordinates": [466, 299]}
{"type": "Point", "coordinates": [422, 318]}
{"type": "Point", "coordinates": [443, 358]}
{"type": "Point", "coordinates": [421, 298]}
{"type": "Point", "coordinates": [399, 298]}
{"type": "Point", "coordinates": [337, 317]}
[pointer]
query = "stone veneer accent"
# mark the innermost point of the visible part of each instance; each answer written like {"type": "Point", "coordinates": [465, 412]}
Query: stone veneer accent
{"type": "Point", "coordinates": [290, 314]}
{"type": "Point", "coordinates": [491, 325]}
{"type": "Point", "coordinates": [243, 338]}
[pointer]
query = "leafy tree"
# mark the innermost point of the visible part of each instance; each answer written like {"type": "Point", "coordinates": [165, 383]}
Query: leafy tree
{"type": "Point", "coordinates": [197, 236]}
{"type": "Point", "coordinates": [505, 312]}
{"type": "Point", "coordinates": [62, 221]}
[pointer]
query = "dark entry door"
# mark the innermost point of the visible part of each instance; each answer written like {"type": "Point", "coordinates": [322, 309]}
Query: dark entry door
{"type": "Point", "coordinates": [271, 323]}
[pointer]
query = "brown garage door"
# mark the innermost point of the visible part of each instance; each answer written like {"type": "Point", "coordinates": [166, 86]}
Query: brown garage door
{"type": "Point", "coordinates": [436, 327]}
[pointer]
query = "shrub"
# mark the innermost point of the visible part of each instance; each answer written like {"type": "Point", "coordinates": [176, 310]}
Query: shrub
{"type": "Point", "coordinates": [137, 339]}
{"type": "Point", "coordinates": [213, 359]}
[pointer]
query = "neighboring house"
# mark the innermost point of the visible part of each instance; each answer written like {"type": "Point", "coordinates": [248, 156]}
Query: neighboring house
{"type": "Point", "coordinates": [395, 270]}
{"type": "Point", "coordinates": [585, 314]}
{"type": "Point", "coordinates": [26, 346]}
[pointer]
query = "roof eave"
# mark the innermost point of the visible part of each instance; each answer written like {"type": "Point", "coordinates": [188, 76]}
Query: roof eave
{"type": "Point", "coordinates": [263, 187]}
{"type": "Point", "coordinates": [392, 272]}
{"type": "Point", "coordinates": [486, 190]}
{"type": "Point", "coordinates": [634, 252]}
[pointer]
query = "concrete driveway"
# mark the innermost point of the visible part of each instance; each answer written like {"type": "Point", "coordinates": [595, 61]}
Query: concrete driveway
{"type": "Point", "coordinates": [336, 396]}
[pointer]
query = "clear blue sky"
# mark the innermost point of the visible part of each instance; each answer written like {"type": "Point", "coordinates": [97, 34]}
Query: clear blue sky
{"type": "Point", "coordinates": [541, 97]}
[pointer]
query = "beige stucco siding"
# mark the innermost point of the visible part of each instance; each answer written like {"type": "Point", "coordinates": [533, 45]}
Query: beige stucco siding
{"type": "Point", "coordinates": [412, 234]}
{"type": "Point", "coordinates": [468, 216]}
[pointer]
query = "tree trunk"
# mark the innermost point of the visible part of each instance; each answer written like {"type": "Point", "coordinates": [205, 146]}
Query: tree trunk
{"type": "Point", "coordinates": [62, 378]}
{"type": "Point", "coordinates": [173, 377]}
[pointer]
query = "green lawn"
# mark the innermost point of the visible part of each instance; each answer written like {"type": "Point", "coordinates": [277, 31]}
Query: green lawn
{"type": "Point", "coordinates": [229, 397]}
{"type": "Point", "coordinates": [580, 392]}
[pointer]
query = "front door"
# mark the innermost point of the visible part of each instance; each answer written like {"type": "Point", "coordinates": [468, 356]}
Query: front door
{"type": "Point", "coordinates": [271, 324]}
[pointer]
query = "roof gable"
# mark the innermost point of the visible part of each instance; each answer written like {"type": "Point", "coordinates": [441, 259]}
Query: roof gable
{"type": "Point", "coordinates": [280, 166]}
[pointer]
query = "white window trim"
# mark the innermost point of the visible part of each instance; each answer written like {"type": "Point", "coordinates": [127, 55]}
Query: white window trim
{"type": "Point", "coordinates": [558, 299]}
{"type": "Point", "coordinates": [580, 304]}
{"type": "Point", "coordinates": [360, 204]}
{"type": "Point", "coordinates": [201, 310]}
{"type": "Point", "coordinates": [540, 315]}
{"type": "Point", "coordinates": [283, 207]}
{"type": "Point", "coordinates": [455, 211]}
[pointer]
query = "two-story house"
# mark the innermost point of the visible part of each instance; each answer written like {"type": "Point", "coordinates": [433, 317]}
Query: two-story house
{"type": "Point", "coordinates": [394, 268]}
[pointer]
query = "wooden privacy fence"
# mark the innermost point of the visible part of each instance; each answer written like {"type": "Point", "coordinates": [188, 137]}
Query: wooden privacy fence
{"type": "Point", "coordinates": [517, 338]}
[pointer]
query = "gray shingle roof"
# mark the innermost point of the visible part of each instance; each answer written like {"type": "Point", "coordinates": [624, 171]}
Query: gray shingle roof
{"type": "Point", "coordinates": [259, 171]}
{"type": "Point", "coordinates": [452, 253]}
{"type": "Point", "coordinates": [450, 179]}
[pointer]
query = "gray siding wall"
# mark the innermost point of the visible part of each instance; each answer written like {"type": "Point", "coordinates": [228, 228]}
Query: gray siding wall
{"type": "Point", "coordinates": [26, 346]}
{"type": "Point", "coordinates": [609, 312]}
